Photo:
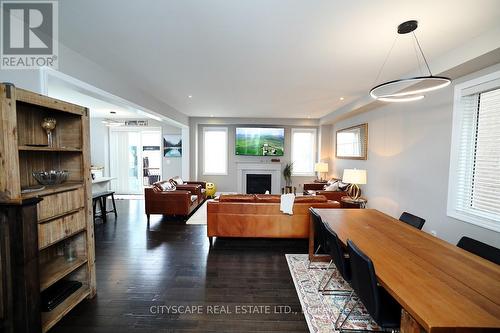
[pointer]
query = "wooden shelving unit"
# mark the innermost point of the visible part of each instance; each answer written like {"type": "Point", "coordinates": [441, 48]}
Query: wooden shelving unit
{"type": "Point", "coordinates": [49, 319]}
{"type": "Point", "coordinates": [64, 215]}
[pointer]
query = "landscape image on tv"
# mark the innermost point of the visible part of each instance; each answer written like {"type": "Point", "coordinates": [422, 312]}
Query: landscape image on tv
{"type": "Point", "coordinates": [260, 141]}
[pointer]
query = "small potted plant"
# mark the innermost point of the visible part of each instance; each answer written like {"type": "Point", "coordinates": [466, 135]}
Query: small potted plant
{"type": "Point", "coordinates": [287, 174]}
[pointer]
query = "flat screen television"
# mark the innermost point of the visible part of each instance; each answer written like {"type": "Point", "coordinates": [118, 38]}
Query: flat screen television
{"type": "Point", "coordinates": [260, 141]}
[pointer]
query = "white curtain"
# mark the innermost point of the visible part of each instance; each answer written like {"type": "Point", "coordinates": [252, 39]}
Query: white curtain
{"type": "Point", "coordinates": [119, 161]}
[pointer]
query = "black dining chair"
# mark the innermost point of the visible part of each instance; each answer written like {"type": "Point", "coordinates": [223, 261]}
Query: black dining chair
{"type": "Point", "coordinates": [340, 259]}
{"type": "Point", "coordinates": [381, 306]}
{"type": "Point", "coordinates": [412, 220]}
{"type": "Point", "coordinates": [319, 237]}
{"type": "Point", "coordinates": [481, 249]}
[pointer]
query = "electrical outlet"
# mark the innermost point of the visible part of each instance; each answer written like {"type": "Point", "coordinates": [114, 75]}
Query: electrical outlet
{"type": "Point", "coordinates": [434, 233]}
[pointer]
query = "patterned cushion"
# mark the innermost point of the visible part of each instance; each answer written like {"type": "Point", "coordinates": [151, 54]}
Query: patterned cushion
{"type": "Point", "coordinates": [178, 180]}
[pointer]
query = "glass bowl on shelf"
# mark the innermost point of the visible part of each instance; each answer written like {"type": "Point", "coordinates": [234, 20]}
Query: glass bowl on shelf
{"type": "Point", "coordinates": [51, 177]}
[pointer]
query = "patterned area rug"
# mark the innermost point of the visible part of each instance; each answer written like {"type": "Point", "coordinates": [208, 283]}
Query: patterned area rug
{"type": "Point", "coordinates": [321, 311]}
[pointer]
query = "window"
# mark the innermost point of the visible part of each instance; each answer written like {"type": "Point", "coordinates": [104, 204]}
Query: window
{"type": "Point", "coordinates": [474, 184]}
{"type": "Point", "coordinates": [215, 151]}
{"type": "Point", "coordinates": [303, 151]}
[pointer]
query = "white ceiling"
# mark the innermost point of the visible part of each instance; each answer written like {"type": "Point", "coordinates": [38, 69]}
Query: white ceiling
{"type": "Point", "coordinates": [98, 108]}
{"type": "Point", "coordinates": [264, 58]}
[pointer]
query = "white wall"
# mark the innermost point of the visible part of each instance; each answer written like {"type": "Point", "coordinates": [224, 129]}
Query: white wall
{"type": "Point", "coordinates": [99, 144]}
{"type": "Point", "coordinates": [229, 182]}
{"type": "Point", "coordinates": [408, 162]}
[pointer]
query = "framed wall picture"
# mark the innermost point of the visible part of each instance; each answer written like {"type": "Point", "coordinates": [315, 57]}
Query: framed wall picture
{"type": "Point", "coordinates": [352, 143]}
{"type": "Point", "coordinates": [172, 145]}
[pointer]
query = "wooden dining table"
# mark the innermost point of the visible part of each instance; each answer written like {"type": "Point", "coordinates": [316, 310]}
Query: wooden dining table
{"type": "Point", "coordinates": [441, 288]}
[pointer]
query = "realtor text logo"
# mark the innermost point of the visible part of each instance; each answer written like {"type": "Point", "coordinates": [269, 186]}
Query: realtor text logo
{"type": "Point", "coordinates": [29, 34]}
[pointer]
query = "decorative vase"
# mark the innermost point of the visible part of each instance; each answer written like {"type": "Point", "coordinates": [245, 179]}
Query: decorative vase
{"type": "Point", "coordinates": [49, 124]}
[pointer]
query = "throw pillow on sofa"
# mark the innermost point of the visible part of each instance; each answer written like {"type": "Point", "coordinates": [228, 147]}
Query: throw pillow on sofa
{"type": "Point", "coordinates": [178, 180]}
{"type": "Point", "coordinates": [332, 187]}
{"type": "Point", "coordinates": [167, 186]}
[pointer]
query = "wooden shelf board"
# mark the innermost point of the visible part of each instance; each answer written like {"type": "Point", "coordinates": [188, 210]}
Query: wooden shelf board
{"type": "Point", "coordinates": [56, 269]}
{"type": "Point", "coordinates": [53, 189]}
{"type": "Point", "coordinates": [65, 237]}
{"type": "Point", "coordinates": [55, 217]}
{"type": "Point", "coordinates": [49, 319]}
{"type": "Point", "coordinates": [49, 149]}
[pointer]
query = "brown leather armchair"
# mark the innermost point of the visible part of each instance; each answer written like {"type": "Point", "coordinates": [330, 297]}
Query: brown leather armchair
{"type": "Point", "coordinates": [178, 202]}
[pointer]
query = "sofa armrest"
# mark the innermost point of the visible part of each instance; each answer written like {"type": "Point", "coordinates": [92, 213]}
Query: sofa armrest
{"type": "Point", "coordinates": [193, 188]}
{"type": "Point", "coordinates": [166, 202]}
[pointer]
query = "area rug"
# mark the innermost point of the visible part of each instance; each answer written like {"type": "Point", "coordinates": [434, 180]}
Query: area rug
{"type": "Point", "coordinates": [200, 215]}
{"type": "Point", "coordinates": [321, 311]}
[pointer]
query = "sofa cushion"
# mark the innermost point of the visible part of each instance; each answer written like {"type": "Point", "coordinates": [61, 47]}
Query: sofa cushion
{"type": "Point", "coordinates": [310, 199]}
{"type": "Point", "coordinates": [267, 198]}
{"type": "Point", "coordinates": [237, 198]}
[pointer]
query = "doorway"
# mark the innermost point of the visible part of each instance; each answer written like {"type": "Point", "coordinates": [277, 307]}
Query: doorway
{"type": "Point", "coordinates": [135, 158]}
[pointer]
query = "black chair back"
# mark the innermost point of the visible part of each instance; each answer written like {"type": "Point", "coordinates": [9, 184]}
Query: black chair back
{"type": "Point", "coordinates": [319, 231]}
{"type": "Point", "coordinates": [481, 249]}
{"type": "Point", "coordinates": [338, 254]}
{"type": "Point", "coordinates": [364, 280]}
{"type": "Point", "coordinates": [412, 220]}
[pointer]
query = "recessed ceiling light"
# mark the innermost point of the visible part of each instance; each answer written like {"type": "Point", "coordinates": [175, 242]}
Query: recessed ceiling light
{"type": "Point", "coordinates": [341, 98]}
{"type": "Point", "coordinates": [190, 96]}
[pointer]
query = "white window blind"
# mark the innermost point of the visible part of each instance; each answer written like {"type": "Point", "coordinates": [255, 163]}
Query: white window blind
{"type": "Point", "coordinates": [303, 151]}
{"type": "Point", "coordinates": [215, 151]}
{"type": "Point", "coordinates": [474, 186]}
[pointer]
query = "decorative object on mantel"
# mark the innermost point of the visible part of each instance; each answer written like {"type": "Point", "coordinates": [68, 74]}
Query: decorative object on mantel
{"type": "Point", "coordinates": [321, 167]}
{"type": "Point", "coordinates": [408, 89]}
{"type": "Point", "coordinates": [351, 143]}
{"type": "Point", "coordinates": [49, 124]}
{"type": "Point", "coordinates": [287, 174]}
{"type": "Point", "coordinates": [275, 160]}
{"type": "Point", "coordinates": [354, 177]}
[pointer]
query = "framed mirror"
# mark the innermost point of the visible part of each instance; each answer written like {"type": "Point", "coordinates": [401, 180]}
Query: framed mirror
{"type": "Point", "coordinates": [352, 142]}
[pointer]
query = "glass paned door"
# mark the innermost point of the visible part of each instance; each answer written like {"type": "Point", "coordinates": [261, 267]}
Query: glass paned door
{"type": "Point", "coordinates": [134, 157]}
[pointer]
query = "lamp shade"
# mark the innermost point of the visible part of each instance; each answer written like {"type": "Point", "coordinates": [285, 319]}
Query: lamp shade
{"type": "Point", "coordinates": [321, 167]}
{"type": "Point", "coordinates": [354, 176]}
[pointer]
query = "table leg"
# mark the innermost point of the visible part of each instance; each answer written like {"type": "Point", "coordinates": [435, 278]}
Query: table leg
{"type": "Point", "coordinates": [409, 324]}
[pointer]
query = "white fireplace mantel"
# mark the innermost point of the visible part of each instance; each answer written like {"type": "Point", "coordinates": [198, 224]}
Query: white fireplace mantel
{"type": "Point", "coordinates": [274, 169]}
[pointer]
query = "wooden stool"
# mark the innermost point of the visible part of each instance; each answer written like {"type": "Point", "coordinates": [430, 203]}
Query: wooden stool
{"type": "Point", "coordinates": [101, 199]}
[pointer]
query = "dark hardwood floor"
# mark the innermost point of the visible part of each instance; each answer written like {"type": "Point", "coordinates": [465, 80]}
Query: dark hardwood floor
{"type": "Point", "coordinates": [144, 275]}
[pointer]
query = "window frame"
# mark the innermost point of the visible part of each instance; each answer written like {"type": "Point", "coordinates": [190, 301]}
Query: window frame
{"type": "Point", "coordinates": [314, 131]}
{"type": "Point", "coordinates": [481, 220]}
{"type": "Point", "coordinates": [215, 129]}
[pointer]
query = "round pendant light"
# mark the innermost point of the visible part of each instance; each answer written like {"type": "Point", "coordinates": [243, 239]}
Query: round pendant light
{"type": "Point", "coordinates": [408, 89]}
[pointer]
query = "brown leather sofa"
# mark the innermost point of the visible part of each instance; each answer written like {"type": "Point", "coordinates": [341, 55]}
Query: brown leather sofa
{"type": "Point", "coordinates": [249, 215]}
{"type": "Point", "coordinates": [183, 201]}
{"type": "Point", "coordinates": [317, 189]}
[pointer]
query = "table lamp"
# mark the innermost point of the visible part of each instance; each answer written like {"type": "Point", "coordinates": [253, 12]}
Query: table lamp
{"type": "Point", "coordinates": [321, 167]}
{"type": "Point", "coordinates": [354, 177]}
